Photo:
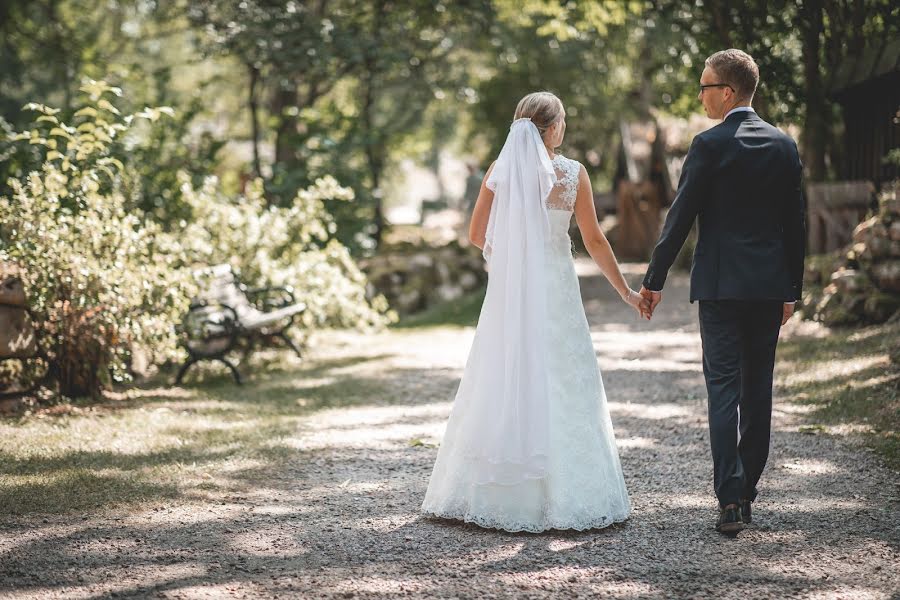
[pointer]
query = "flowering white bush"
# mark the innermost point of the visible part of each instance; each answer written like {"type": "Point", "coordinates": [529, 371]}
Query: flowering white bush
{"type": "Point", "coordinates": [104, 279]}
{"type": "Point", "coordinates": [289, 246]}
{"type": "Point", "coordinates": [100, 281]}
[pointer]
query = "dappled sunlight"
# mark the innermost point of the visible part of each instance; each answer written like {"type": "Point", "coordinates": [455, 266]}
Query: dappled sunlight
{"type": "Point", "coordinates": [564, 545]}
{"type": "Point", "coordinates": [498, 553]}
{"type": "Point", "coordinates": [266, 541]}
{"type": "Point", "coordinates": [635, 442]}
{"type": "Point", "coordinates": [320, 471]}
{"type": "Point", "coordinates": [854, 591]}
{"type": "Point", "coordinates": [789, 408]}
{"type": "Point", "coordinates": [670, 351]}
{"type": "Point", "coordinates": [659, 411]}
{"type": "Point", "coordinates": [669, 500]}
{"type": "Point", "coordinates": [150, 576]}
{"type": "Point", "coordinates": [371, 427]}
{"type": "Point", "coordinates": [835, 368]}
{"type": "Point", "coordinates": [810, 467]}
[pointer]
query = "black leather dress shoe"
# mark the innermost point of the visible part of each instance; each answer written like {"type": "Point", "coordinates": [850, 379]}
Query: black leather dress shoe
{"type": "Point", "coordinates": [746, 517]}
{"type": "Point", "coordinates": [729, 521]}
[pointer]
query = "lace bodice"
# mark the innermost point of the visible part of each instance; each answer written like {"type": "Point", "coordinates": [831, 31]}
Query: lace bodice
{"type": "Point", "coordinates": [562, 196]}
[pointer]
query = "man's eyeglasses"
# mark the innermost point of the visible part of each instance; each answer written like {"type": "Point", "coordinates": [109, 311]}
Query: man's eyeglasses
{"type": "Point", "coordinates": [703, 86]}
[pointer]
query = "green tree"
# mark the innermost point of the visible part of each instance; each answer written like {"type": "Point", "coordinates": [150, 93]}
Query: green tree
{"type": "Point", "coordinates": [798, 45]}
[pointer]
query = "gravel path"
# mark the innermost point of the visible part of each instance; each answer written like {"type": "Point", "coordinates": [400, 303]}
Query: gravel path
{"type": "Point", "coordinates": [341, 520]}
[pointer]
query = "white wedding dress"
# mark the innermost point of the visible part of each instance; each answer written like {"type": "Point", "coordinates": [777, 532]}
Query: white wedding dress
{"type": "Point", "coordinates": [580, 484]}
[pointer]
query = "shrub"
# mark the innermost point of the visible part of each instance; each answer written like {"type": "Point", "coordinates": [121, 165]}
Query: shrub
{"type": "Point", "coordinates": [100, 282]}
{"type": "Point", "coordinates": [292, 246]}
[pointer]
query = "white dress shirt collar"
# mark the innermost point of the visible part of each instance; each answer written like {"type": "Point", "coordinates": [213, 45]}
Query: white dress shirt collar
{"type": "Point", "coordinates": [739, 109]}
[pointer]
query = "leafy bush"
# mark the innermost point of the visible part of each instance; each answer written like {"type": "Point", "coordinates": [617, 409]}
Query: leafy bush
{"type": "Point", "coordinates": [105, 279]}
{"type": "Point", "coordinates": [100, 282]}
{"type": "Point", "coordinates": [292, 246]}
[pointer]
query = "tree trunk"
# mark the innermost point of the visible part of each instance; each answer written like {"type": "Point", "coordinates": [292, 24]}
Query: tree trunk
{"type": "Point", "coordinates": [254, 118]}
{"type": "Point", "coordinates": [374, 140]}
{"type": "Point", "coordinates": [816, 123]}
{"type": "Point", "coordinates": [285, 97]}
{"type": "Point", "coordinates": [374, 156]}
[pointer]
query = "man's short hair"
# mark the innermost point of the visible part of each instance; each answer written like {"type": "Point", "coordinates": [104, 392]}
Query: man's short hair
{"type": "Point", "coordinates": [737, 69]}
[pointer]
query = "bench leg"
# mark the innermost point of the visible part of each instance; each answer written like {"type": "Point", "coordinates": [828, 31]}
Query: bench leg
{"type": "Point", "coordinates": [290, 343]}
{"type": "Point", "coordinates": [183, 370]}
{"type": "Point", "coordinates": [234, 371]}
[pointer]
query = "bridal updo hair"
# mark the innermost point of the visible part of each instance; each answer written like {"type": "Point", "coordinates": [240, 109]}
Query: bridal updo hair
{"type": "Point", "coordinates": [543, 108]}
{"type": "Point", "coordinates": [737, 69]}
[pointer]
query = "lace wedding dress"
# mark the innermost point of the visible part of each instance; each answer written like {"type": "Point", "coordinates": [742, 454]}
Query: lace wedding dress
{"type": "Point", "coordinates": [578, 484]}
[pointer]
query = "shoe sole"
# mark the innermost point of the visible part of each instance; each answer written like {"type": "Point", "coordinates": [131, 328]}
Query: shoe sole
{"type": "Point", "coordinates": [730, 528]}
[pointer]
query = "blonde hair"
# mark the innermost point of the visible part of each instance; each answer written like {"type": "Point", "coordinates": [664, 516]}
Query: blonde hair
{"type": "Point", "coordinates": [543, 108]}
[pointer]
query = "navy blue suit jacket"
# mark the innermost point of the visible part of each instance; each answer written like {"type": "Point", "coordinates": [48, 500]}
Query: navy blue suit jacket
{"type": "Point", "coordinates": [742, 183]}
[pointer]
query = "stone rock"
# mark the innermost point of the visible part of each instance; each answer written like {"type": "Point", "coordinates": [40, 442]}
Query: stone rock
{"type": "Point", "coordinates": [468, 281]}
{"type": "Point", "coordinates": [894, 231]}
{"type": "Point", "coordinates": [847, 280]}
{"type": "Point", "coordinates": [887, 275]}
{"type": "Point", "coordinates": [876, 248]}
{"type": "Point", "coordinates": [880, 306]}
{"type": "Point", "coordinates": [421, 260]}
{"type": "Point", "coordinates": [889, 206]}
{"type": "Point", "coordinates": [862, 231]}
{"type": "Point", "coordinates": [414, 276]}
{"type": "Point", "coordinates": [449, 293]}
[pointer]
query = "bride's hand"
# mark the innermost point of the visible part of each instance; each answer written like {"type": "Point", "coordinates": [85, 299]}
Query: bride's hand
{"type": "Point", "coordinates": [638, 303]}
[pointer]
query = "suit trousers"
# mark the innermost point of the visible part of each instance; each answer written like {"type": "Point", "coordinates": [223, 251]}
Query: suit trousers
{"type": "Point", "coordinates": [739, 340]}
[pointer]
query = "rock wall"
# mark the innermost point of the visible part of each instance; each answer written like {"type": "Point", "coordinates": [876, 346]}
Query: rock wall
{"type": "Point", "coordinates": [415, 277]}
{"type": "Point", "coordinates": [861, 283]}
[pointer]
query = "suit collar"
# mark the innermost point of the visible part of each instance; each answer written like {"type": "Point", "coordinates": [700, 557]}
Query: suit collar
{"type": "Point", "coordinates": [740, 115]}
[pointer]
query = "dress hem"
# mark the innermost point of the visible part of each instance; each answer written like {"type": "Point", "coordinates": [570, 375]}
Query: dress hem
{"type": "Point", "coordinates": [487, 524]}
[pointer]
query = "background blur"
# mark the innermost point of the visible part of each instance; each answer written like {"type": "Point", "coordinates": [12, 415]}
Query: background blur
{"type": "Point", "coordinates": [401, 100]}
{"type": "Point", "coordinates": [336, 147]}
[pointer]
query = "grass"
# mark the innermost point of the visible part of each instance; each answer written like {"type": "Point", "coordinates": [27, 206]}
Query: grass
{"type": "Point", "coordinates": [851, 380]}
{"type": "Point", "coordinates": [148, 445]}
{"type": "Point", "coordinates": [459, 313]}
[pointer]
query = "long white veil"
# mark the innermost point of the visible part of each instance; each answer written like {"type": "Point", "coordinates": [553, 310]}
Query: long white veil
{"type": "Point", "coordinates": [508, 415]}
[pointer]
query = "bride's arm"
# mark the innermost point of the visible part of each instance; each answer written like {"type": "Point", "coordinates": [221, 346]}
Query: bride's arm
{"type": "Point", "coordinates": [596, 243]}
{"type": "Point", "coordinates": [481, 212]}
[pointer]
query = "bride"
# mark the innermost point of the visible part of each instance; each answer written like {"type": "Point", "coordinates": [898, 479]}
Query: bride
{"type": "Point", "coordinates": [529, 445]}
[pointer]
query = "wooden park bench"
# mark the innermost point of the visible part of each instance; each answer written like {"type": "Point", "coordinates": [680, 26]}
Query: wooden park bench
{"type": "Point", "coordinates": [227, 313]}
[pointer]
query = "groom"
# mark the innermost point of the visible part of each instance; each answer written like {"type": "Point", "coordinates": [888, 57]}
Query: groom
{"type": "Point", "coordinates": [741, 182]}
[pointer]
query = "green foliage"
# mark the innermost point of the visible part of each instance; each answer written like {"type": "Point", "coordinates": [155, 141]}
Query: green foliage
{"type": "Point", "coordinates": [100, 281]}
{"type": "Point", "coordinates": [280, 246]}
{"type": "Point", "coordinates": [104, 278]}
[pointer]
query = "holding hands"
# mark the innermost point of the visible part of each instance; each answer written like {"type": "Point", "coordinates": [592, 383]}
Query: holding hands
{"type": "Point", "coordinates": [638, 302]}
{"type": "Point", "coordinates": [652, 299]}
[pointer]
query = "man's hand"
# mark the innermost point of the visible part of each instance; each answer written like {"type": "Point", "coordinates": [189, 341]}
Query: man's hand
{"type": "Point", "coordinates": [637, 302]}
{"type": "Point", "coordinates": [787, 311]}
{"type": "Point", "coordinates": [653, 297]}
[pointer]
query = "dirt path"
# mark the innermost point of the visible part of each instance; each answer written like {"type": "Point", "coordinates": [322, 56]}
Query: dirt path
{"type": "Point", "coordinates": [340, 519]}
